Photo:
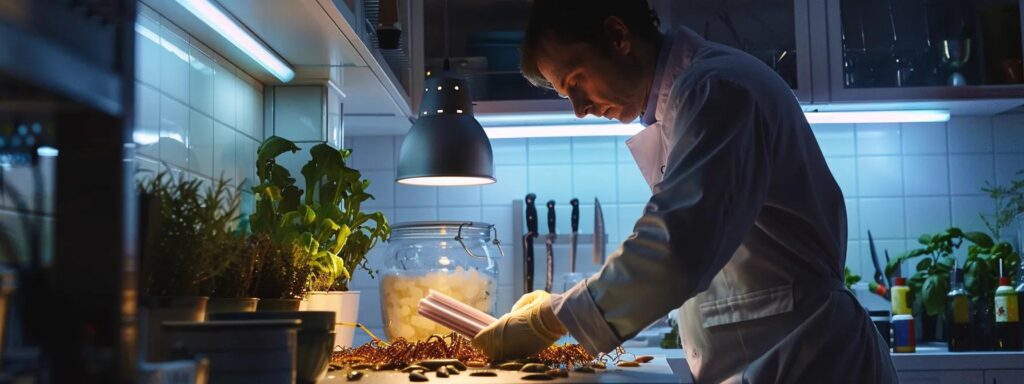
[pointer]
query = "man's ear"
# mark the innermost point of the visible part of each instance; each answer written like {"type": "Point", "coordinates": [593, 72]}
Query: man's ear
{"type": "Point", "coordinates": [618, 34]}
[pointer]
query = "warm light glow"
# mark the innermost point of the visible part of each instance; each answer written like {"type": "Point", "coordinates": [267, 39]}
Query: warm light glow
{"type": "Point", "coordinates": [446, 181]}
{"type": "Point", "coordinates": [226, 27]}
{"type": "Point", "coordinates": [866, 117]}
{"type": "Point", "coordinates": [562, 130]}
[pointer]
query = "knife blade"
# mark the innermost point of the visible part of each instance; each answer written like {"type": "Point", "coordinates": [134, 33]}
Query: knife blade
{"type": "Point", "coordinates": [550, 243]}
{"type": "Point", "coordinates": [575, 221]}
{"type": "Point", "coordinates": [531, 233]}
{"type": "Point", "coordinates": [599, 240]}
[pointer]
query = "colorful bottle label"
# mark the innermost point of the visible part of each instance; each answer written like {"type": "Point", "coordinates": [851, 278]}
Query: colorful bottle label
{"type": "Point", "coordinates": [1006, 309]}
{"type": "Point", "coordinates": [903, 338]}
{"type": "Point", "coordinates": [961, 313]}
{"type": "Point", "coordinates": [899, 300]}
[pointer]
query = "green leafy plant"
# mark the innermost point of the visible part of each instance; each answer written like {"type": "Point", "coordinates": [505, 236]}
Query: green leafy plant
{"type": "Point", "coordinates": [188, 229]}
{"type": "Point", "coordinates": [1009, 205]}
{"type": "Point", "coordinates": [850, 278]}
{"type": "Point", "coordinates": [981, 268]}
{"type": "Point", "coordinates": [282, 270]}
{"type": "Point", "coordinates": [236, 276]}
{"type": "Point", "coordinates": [930, 281]}
{"type": "Point", "coordinates": [327, 223]}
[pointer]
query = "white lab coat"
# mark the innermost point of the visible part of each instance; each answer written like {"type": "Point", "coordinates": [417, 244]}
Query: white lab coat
{"type": "Point", "coordinates": [746, 231]}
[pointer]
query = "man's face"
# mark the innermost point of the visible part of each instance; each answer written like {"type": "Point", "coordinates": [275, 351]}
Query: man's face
{"type": "Point", "coordinates": [604, 83]}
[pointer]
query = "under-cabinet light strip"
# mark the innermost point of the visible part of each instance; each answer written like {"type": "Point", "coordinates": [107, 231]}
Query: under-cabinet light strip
{"type": "Point", "coordinates": [225, 26]}
{"type": "Point", "coordinates": [512, 126]}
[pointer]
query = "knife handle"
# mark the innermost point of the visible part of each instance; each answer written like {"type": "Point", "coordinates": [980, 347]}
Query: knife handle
{"type": "Point", "coordinates": [527, 264]}
{"type": "Point", "coordinates": [531, 214]}
{"type": "Point", "coordinates": [551, 216]}
{"type": "Point", "coordinates": [575, 218]}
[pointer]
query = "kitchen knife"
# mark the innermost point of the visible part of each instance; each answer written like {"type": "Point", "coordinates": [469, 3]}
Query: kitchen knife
{"type": "Point", "coordinates": [531, 233]}
{"type": "Point", "coordinates": [880, 286]}
{"type": "Point", "coordinates": [598, 250]}
{"type": "Point", "coordinates": [550, 243]}
{"type": "Point", "coordinates": [575, 220]}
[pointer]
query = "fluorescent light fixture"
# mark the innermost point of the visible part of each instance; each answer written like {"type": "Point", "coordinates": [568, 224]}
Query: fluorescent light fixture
{"type": "Point", "coordinates": [562, 130]}
{"type": "Point", "coordinates": [511, 119]}
{"type": "Point", "coordinates": [866, 117]}
{"type": "Point", "coordinates": [446, 181]}
{"type": "Point", "coordinates": [225, 26]}
{"type": "Point", "coordinates": [513, 126]}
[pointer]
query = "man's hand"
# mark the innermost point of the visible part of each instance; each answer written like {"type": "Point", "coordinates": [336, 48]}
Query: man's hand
{"type": "Point", "coordinates": [529, 328]}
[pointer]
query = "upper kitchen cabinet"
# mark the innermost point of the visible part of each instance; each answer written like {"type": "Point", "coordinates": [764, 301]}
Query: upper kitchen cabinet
{"type": "Point", "coordinates": [773, 31]}
{"type": "Point", "coordinates": [921, 50]}
{"type": "Point", "coordinates": [327, 43]}
{"type": "Point", "coordinates": [482, 39]}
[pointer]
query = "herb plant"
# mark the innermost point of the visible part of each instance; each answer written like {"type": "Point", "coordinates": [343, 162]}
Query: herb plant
{"type": "Point", "coordinates": [327, 223]}
{"type": "Point", "coordinates": [1009, 205]}
{"type": "Point", "coordinates": [186, 230]}
{"type": "Point", "coordinates": [283, 270]}
{"type": "Point", "coordinates": [850, 278]}
{"type": "Point", "coordinates": [930, 282]}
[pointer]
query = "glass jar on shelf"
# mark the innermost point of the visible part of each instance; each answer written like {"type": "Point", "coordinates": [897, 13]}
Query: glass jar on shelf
{"type": "Point", "coordinates": [458, 259]}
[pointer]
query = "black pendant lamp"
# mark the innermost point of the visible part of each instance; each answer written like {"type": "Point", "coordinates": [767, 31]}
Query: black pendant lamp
{"type": "Point", "coordinates": [446, 146]}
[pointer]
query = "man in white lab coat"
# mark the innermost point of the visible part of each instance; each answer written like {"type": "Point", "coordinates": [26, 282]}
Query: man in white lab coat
{"type": "Point", "coordinates": [746, 229]}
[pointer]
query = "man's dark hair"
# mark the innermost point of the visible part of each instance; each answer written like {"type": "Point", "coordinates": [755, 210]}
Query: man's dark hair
{"type": "Point", "coordinates": [581, 21]}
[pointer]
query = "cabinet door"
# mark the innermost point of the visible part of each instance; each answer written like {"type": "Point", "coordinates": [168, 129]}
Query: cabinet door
{"type": "Point", "coordinates": [924, 49]}
{"type": "Point", "coordinates": [1010, 376]}
{"type": "Point", "coordinates": [774, 31]}
{"type": "Point", "coordinates": [942, 377]}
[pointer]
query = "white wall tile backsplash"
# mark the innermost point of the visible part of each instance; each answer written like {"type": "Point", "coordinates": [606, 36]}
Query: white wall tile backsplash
{"type": "Point", "coordinates": [899, 181]}
{"type": "Point", "coordinates": [195, 111]}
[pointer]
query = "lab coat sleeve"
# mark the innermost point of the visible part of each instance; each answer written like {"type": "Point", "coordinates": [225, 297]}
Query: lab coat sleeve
{"type": "Point", "coordinates": [716, 179]}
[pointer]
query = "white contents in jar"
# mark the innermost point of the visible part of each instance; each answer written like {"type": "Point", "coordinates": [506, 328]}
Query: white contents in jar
{"type": "Point", "coordinates": [400, 294]}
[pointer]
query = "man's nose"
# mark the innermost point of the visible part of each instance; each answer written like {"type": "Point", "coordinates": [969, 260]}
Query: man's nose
{"type": "Point", "coordinates": [580, 108]}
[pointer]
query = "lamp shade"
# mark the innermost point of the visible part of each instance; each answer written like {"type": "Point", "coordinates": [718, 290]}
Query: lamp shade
{"type": "Point", "coordinates": [446, 146]}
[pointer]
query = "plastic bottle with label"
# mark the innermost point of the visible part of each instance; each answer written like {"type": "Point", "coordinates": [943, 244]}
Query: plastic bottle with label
{"type": "Point", "coordinates": [1007, 332]}
{"type": "Point", "coordinates": [900, 291]}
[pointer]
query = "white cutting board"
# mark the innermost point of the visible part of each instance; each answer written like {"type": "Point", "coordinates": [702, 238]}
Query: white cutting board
{"type": "Point", "coordinates": [656, 371]}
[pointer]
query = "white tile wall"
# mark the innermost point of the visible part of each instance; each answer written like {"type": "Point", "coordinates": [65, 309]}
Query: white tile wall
{"type": "Point", "coordinates": [195, 111]}
{"type": "Point", "coordinates": [899, 181]}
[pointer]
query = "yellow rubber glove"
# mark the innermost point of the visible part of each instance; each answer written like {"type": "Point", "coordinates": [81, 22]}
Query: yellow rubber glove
{"type": "Point", "coordinates": [529, 328]}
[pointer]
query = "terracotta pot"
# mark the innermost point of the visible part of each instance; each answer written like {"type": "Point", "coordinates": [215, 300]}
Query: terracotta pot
{"type": "Point", "coordinates": [345, 305]}
{"type": "Point", "coordinates": [231, 304]}
{"type": "Point", "coordinates": [278, 305]}
{"type": "Point", "coordinates": [156, 310]}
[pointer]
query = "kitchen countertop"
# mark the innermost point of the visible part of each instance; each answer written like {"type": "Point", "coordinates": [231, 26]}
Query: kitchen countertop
{"type": "Point", "coordinates": [669, 366]}
{"type": "Point", "coordinates": [936, 356]}
{"type": "Point", "coordinates": [656, 371]}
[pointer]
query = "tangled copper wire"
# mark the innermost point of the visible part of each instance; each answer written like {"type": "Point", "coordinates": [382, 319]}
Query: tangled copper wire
{"type": "Point", "coordinates": [401, 352]}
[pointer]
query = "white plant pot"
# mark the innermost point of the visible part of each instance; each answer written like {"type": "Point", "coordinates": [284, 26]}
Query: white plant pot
{"type": "Point", "coordinates": [345, 306]}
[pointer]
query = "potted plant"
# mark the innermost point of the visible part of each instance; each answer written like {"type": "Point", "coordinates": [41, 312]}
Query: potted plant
{"type": "Point", "coordinates": [234, 282]}
{"type": "Point", "coordinates": [178, 220]}
{"type": "Point", "coordinates": [930, 281]}
{"type": "Point", "coordinates": [327, 224]}
{"type": "Point", "coordinates": [282, 275]}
